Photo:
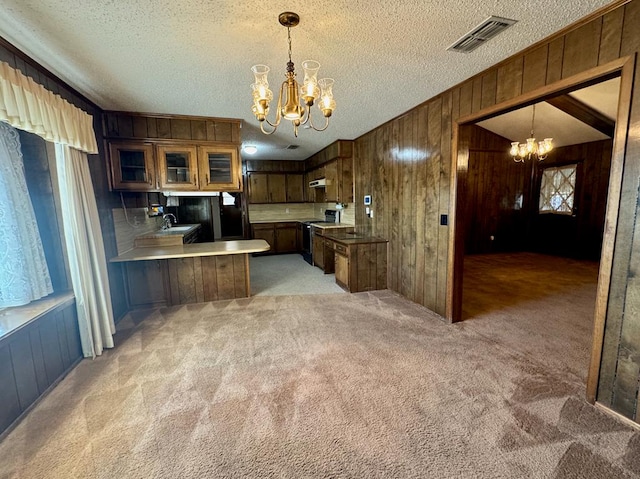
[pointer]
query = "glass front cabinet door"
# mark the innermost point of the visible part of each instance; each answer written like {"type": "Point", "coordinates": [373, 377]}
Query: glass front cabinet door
{"type": "Point", "coordinates": [132, 166]}
{"type": "Point", "coordinates": [219, 168]}
{"type": "Point", "coordinates": [177, 165]}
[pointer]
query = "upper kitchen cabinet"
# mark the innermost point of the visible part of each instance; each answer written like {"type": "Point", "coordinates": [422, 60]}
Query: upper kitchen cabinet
{"type": "Point", "coordinates": [269, 187]}
{"type": "Point", "coordinates": [132, 166]}
{"type": "Point", "coordinates": [219, 168]}
{"type": "Point", "coordinates": [179, 153]}
{"type": "Point", "coordinates": [178, 167]}
{"type": "Point", "coordinates": [335, 164]}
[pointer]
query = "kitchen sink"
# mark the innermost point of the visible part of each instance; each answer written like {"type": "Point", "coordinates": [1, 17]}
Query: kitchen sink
{"type": "Point", "coordinates": [178, 228]}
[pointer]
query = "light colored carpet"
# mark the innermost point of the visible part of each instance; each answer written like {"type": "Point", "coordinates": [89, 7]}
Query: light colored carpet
{"type": "Point", "coordinates": [345, 386]}
{"type": "Point", "coordinates": [288, 274]}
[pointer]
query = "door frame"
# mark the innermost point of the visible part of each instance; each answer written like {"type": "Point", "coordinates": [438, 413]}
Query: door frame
{"type": "Point", "coordinates": [624, 68]}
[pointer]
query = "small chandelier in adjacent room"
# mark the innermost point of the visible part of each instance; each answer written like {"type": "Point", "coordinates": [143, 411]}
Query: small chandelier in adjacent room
{"type": "Point", "coordinates": [531, 150]}
{"type": "Point", "coordinates": [294, 101]}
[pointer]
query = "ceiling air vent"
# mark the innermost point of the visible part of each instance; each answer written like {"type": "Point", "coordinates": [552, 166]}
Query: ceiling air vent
{"type": "Point", "coordinates": [480, 34]}
{"type": "Point", "coordinates": [292, 147]}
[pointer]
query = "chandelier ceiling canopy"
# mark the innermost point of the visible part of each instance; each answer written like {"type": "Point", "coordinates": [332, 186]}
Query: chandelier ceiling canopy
{"type": "Point", "coordinates": [294, 101]}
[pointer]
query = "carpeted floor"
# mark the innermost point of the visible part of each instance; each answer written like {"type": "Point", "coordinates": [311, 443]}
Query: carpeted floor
{"type": "Point", "coordinates": [364, 385]}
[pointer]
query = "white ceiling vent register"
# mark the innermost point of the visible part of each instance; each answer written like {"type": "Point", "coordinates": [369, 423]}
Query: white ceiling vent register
{"type": "Point", "coordinates": [488, 29]}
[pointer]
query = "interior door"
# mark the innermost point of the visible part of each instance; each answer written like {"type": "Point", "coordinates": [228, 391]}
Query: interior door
{"type": "Point", "coordinates": [231, 215]}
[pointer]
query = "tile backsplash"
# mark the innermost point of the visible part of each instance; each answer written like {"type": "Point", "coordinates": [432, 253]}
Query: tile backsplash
{"type": "Point", "coordinates": [298, 211]}
{"type": "Point", "coordinates": [138, 223]}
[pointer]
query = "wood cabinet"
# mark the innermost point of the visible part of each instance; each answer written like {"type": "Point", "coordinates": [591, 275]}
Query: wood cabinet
{"type": "Point", "coordinates": [331, 175]}
{"type": "Point", "coordinates": [185, 167]}
{"type": "Point", "coordinates": [341, 267]}
{"type": "Point", "coordinates": [339, 182]}
{"type": "Point", "coordinates": [283, 237]}
{"type": "Point", "coordinates": [259, 188]}
{"type": "Point", "coordinates": [132, 166]}
{"type": "Point", "coordinates": [275, 187]}
{"type": "Point", "coordinates": [295, 187]}
{"type": "Point", "coordinates": [286, 237]}
{"type": "Point", "coordinates": [318, 250]}
{"type": "Point", "coordinates": [219, 168]}
{"type": "Point", "coordinates": [360, 266]}
{"type": "Point", "coordinates": [265, 231]}
{"type": "Point", "coordinates": [178, 167]}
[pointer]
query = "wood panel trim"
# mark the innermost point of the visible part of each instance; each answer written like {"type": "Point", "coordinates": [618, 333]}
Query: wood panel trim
{"type": "Point", "coordinates": [611, 223]}
{"type": "Point", "coordinates": [583, 79]}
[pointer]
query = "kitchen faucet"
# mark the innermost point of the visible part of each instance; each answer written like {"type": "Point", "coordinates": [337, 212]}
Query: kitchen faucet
{"type": "Point", "coordinates": [166, 220]}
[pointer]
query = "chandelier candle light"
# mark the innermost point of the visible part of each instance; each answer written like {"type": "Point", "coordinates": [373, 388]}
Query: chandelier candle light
{"type": "Point", "coordinates": [529, 150]}
{"type": "Point", "coordinates": [290, 105]}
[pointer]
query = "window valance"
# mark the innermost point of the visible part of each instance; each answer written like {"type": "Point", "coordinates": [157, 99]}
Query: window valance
{"type": "Point", "coordinates": [29, 106]}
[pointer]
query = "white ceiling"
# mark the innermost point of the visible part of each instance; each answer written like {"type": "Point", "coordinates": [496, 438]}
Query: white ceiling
{"type": "Point", "coordinates": [193, 57]}
{"type": "Point", "coordinates": [551, 122]}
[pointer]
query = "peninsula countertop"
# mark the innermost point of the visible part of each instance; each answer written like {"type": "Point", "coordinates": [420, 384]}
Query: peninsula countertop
{"type": "Point", "coordinates": [191, 250]}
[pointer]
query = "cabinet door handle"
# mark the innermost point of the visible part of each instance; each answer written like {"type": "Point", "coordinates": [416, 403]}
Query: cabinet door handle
{"type": "Point", "coordinates": [206, 177]}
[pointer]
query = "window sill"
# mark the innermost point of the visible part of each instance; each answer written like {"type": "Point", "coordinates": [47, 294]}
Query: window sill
{"type": "Point", "coordinates": [14, 319]}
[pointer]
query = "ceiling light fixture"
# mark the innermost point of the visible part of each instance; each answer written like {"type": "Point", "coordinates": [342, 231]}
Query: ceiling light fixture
{"type": "Point", "coordinates": [290, 104]}
{"type": "Point", "coordinates": [250, 149]}
{"type": "Point", "coordinates": [531, 150]}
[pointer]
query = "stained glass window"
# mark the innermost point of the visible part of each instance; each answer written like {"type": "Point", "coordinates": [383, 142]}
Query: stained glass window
{"type": "Point", "coordinates": [557, 190]}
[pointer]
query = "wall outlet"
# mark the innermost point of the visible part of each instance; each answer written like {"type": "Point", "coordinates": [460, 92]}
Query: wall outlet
{"type": "Point", "coordinates": [286, 210]}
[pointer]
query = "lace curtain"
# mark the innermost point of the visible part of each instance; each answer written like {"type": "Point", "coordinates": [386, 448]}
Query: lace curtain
{"type": "Point", "coordinates": [24, 275]}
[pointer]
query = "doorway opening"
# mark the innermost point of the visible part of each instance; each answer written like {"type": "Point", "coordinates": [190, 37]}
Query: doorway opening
{"type": "Point", "coordinates": [514, 253]}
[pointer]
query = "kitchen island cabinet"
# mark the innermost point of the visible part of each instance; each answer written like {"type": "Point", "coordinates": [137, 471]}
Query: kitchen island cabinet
{"type": "Point", "coordinates": [359, 261]}
{"type": "Point", "coordinates": [189, 273]}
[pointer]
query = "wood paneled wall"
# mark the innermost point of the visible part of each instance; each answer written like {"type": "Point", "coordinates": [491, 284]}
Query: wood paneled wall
{"type": "Point", "coordinates": [583, 239]}
{"type": "Point", "coordinates": [127, 125]}
{"type": "Point", "coordinates": [496, 195]}
{"type": "Point", "coordinates": [106, 200]}
{"type": "Point", "coordinates": [275, 166]}
{"type": "Point", "coordinates": [35, 357]}
{"type": "Point", "coordinates": [405, 164]}
{"type": "Point", "coordinates": [500, 199]}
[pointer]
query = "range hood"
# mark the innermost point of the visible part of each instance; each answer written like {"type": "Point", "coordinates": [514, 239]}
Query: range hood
{"type": "Point", "coordinates": [319, 183]}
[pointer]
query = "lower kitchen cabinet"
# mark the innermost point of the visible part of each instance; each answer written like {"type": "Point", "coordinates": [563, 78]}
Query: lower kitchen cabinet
{"type": "Point", "coordinates": [283, 237]}
{"type": "Point", "coordinates": [318, 250]}
{"type": "Point", "coordinates": [265, 231]}
{"type": "Point", "coordinates": [358, 266]}
{"type": "Point", "coordinates": [341, 266]}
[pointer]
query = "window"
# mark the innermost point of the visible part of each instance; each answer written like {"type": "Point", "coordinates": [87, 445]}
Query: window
{"type": "Point", "coordinates": [557, 190]}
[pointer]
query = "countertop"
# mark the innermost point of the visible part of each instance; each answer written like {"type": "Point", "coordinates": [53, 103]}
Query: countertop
{"type": "Point", "coordinates": [316, 222]}
{"type": "Point", "coordinates": [354, 238]}
{"type": "Point", "coordinates": [191, 250]}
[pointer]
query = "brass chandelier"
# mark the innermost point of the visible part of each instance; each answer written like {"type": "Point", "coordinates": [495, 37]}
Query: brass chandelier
{"type": "Point", "coordinates": [290, 106]}
{"type": "Point", "coordinates": [531, 149]}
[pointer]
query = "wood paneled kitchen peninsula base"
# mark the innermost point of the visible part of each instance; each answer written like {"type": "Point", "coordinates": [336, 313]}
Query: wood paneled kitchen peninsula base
{"type": "Point", "coordinates": [190, 273]}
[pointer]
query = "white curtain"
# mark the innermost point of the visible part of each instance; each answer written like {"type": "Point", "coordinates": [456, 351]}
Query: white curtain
{"type": "Point", "coordinates": [29, 106]}
{"type": "Point", "coordinates": [87, 263]}
{"type": "Point", "coordinates": [24, 275]}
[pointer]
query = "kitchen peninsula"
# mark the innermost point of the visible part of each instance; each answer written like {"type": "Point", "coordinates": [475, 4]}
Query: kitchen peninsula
{"type": "Point", "coordinates": [188, 273]}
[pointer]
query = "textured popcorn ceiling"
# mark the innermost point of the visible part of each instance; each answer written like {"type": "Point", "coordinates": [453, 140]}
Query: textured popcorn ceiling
{"type": "Point", "coordinates": [193, 57]}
